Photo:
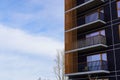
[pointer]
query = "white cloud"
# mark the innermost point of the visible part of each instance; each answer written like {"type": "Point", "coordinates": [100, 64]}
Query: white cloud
{"type": "Point", "coordinates": [17, 40]}
{"type": "Point", "coordinates": [18, 49]}
{"type": "Point", "coordinates": [14, 42]}
{"type": "Point", "coordinates": [15, 67]}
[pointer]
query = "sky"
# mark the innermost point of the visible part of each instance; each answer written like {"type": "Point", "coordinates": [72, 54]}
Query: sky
{"type": "Point", "coordinates": [31, 32]}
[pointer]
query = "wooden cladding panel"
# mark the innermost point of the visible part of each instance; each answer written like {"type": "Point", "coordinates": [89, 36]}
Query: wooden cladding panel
{"type": "Point", "coordinates": [71, 40]}
{"type": "Point", "coordinates": [69, 4]}
{"type": "Point", "coordinates": [71, 63]}
{"type": "Point", "coordinates": [74, 39]}
{"type": "Point", "coordinates": [71, 60]}
{"type": "Point", "coordinates": [70, 20]}
{"type": "Point", "coordinates": [68, 41]}
{"type": "Point", "coordinates": [75, 62]}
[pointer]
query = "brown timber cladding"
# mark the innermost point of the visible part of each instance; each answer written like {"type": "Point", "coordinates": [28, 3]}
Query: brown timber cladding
{"type": "Point", "coordinates": [71, 63]}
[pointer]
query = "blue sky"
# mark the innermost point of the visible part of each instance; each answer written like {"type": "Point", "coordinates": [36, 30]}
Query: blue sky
{"type": "Point", "coordinates": [30, 33]}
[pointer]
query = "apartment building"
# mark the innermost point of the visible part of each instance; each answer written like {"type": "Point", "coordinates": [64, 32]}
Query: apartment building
{"type": "Point", "coordinates": [92, 39]}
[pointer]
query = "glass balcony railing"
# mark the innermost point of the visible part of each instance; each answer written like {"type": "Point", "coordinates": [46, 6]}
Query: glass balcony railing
{"type": "Point", "coordinates": [93, 17]}
{"type": "Point", "coordinates": [88, 44]}
{"type": "Point", "coordinates": [87, 22]}
{"type": "Point", "coordinates": [90, 18]}
{"type": "Point", "coordinates": [99, 39]}
{"type": "Point", "coordinates": [93, 66]}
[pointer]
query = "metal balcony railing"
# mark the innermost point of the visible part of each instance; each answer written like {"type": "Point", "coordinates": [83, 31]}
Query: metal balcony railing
{"type": "Point", "coordinates": [99, 39]}
{"type": "Point", "coordinates": [93, 66]}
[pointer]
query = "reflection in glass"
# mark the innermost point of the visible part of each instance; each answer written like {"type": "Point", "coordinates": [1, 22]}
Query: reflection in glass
{"type": "Point", "coordinates": [96, 62]}
{"type": "Point", "coordinates": [102, 32]}
{"type": "Point", "coordinates": [99, 14]}
{"type": "Point", "coordinates": [118, 8]}
{"type": "Point", "coordinates": [91, 17]}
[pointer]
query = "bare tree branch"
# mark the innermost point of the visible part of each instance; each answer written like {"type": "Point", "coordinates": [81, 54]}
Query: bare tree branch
{"type": "Point", "coordinates": [59, 66]}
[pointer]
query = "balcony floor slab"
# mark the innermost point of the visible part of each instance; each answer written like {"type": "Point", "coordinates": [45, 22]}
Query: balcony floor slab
{"type": "Point", "coordinates": [88, 26]}
{"type": "Point", "coordinates": [88, 48]}
{"type": "Point", "coordinates": [88, 72]}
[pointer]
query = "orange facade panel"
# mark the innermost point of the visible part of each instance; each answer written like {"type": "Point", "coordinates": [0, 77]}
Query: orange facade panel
{"type": "Point", "coordinates": [70, 20]}
{"type": "Point", "coordinates": [70, 40]}
{"type": "Point", "coordinates": [69, 4]}
{"type": "Point", "coordinates": [71, 63]}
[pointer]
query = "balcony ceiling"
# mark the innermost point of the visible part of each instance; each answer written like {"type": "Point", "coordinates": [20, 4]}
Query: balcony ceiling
{"type": "Point", "coordinates": [87, 5]}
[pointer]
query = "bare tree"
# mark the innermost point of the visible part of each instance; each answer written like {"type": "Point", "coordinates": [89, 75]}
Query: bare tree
{"type": "Point", "coordinates": [59, 67]}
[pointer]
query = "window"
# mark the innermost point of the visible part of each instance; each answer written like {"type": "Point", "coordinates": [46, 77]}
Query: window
{"type": "Point", "coordinates": [118, 8]}
{"type": "Point", "coordinates": [97, 62]}
{"type": "Point", "coordinates": [101, 32]}
{"type": "Point", "coordinates": [104, 56]}
{"type": "Point", "coordinates": [99, 14]}
{"type": "Point", "coordinates": [97, 57]}
{"type": "Point", "coordinates": [91, 17]}
{"type": "Point", "coordinates": [93, 58]}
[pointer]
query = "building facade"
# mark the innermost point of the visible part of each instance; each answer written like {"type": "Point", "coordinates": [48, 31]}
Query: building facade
{"type": "Point", "coordinates": [92, 39]}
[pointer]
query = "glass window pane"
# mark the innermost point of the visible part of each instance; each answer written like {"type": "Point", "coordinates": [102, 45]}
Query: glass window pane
{"type": "Point", "coordinates": [92, 34]}
{"type": "Point", "coordinates": [95, 34]}
{"type": "Point", "coordinates": [118, 13]}
{"type": "Point", "coordinates": [104, 56]}
{"type": "Point", "coordinates": [102, 32]}
{"type": "Point", "coordinates": [118, 7]}
{"type": "Point", "coordinates": [96, 57]}
{"type": "Point", "coordinates": [93, 58]}
{"type": "Point", "coordinates": [91, 17]}
{"type": "Point", "coordinates": [89, 58]}
{"type": "Point", "coordinates": [102, 11]}
{"type": "Point", "coordinates": [118, 4]}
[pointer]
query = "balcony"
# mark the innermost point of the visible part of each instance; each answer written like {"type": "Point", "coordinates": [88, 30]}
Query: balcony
{"type": "Point", "coordinates": [89, 22]}
{"type": "Point", "coordinates": [93, 67]}
{"type": "Point", "coordinates": [89, 44]}
{"type": "Point", "coordinates": [86, 5]}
